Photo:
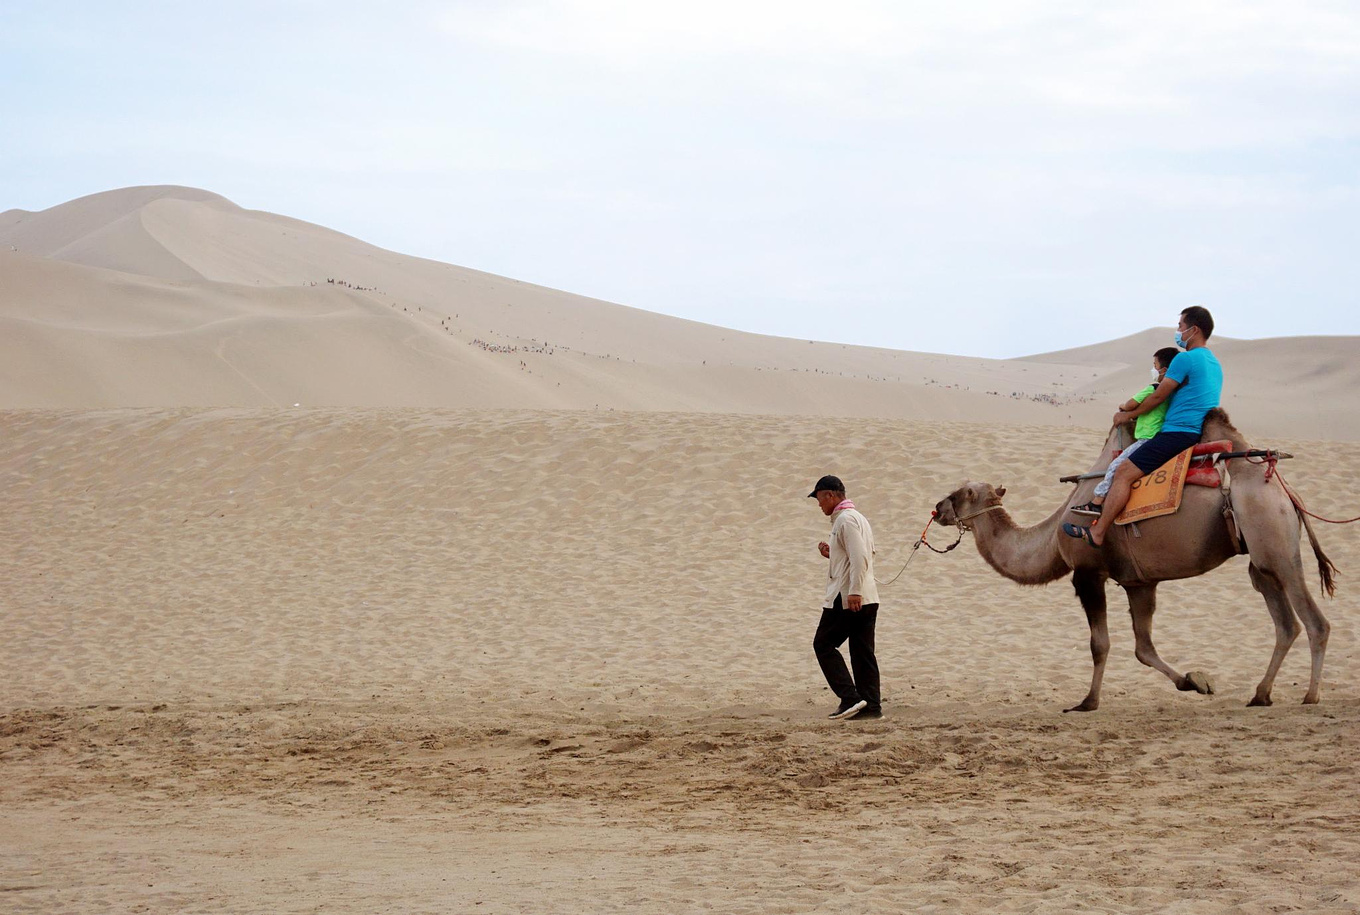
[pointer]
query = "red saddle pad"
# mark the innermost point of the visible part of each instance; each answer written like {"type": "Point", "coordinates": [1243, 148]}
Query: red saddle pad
{"type": "Point", "coordinates": [1204, 473]}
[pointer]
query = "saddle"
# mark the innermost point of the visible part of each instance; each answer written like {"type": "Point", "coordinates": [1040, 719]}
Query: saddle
{"type": "Point", "coordinates": [1159, 492]}
{"type": "Point", "coordinates": [1203, 469]}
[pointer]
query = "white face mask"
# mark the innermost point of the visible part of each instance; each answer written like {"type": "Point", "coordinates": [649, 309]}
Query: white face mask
{"type": "Point", "coordinates": [1156, 376]}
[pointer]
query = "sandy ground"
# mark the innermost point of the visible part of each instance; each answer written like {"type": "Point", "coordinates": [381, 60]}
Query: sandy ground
{"type": "Point", "coordinates": [431, 660]}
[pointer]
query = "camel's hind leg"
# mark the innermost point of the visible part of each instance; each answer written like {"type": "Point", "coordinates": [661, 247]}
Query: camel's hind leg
{"type": "Point", "coordinates": [1270, 522]}
{"type": "Point", "coordinates": [1301, 599]}
{"type": "Point", "coordinates": [1090, 587]}
{"type": "Point", "coordinates": [1286, 628]}
{"type": "Point", "coordinates": [1142, 604]}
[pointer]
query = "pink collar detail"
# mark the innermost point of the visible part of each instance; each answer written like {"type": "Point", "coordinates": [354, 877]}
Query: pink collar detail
{"type": "Point", "coordinates": [844, 504]}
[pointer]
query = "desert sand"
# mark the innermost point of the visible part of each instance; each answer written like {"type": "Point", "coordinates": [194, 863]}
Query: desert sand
{"type": "Point", "coordinates": [447, 646]}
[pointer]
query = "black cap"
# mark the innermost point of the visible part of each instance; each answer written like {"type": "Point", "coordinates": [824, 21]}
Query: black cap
{"type": "Point", "coordinates": [827, 482]}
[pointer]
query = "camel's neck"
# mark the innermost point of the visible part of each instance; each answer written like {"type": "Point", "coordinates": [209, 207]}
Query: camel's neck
{"type": "Point", "coordinates": [1028, 555]}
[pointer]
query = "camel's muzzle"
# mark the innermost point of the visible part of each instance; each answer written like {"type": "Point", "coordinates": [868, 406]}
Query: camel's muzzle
{"type": "Point", "coordinates": [944, 512]}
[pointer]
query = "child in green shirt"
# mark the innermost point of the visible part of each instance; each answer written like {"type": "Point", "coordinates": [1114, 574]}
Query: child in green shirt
{"type": "Point", "coordinates": [1148, 425]}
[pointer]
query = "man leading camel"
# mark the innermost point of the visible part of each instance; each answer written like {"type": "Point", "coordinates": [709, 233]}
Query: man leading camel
{"type": "Point", "coordinates": [1196, 380]}
{"type": "Point", "coordinates": [850, 607]}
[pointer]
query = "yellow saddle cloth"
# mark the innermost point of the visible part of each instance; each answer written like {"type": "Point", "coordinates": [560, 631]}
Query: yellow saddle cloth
{"type": "Point", "coordinates": [1157, 493]}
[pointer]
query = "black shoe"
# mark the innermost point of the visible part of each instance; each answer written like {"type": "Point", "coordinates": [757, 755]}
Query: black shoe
{"type": "Point", "coordinates": [849, 708]}
{"type": "Point", "coordinates": [869, 713]}
{"type": "Point", "coordinates": [1090, 509]}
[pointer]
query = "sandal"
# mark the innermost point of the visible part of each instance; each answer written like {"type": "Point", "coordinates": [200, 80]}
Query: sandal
{"type": "Point", "coordinates": [1090, 508]}
{"type": "Point", "coordinates": [1079, 532]}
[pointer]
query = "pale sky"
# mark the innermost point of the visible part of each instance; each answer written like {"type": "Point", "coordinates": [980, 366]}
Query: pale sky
{"type": "Point", "coordinates": [987, 178]}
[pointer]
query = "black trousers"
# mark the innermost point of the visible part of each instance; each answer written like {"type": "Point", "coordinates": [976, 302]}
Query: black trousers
{"type": "Point", "coordinates": [838, 625]}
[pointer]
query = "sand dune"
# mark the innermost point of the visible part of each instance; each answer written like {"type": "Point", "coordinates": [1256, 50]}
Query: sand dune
{"type": "Point", "coordinates": [512, 661]}
{"type": "Point", "coordinates": [103, 230]}
{"type": "Point", "coordinates": [409, 332]}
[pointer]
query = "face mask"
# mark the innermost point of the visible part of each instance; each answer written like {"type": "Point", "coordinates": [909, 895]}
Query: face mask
{"type": "Point", "coordinates": [1156, 376]}
{"type": "Point", "coordinates": [1180, 341]}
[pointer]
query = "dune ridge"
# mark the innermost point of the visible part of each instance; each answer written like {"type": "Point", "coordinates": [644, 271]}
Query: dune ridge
{"type": "Point", "coordinates": [381, 329]}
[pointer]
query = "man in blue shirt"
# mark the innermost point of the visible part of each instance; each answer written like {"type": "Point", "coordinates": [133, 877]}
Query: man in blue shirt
{"type": "Point", "coordinates": [1196, 380]}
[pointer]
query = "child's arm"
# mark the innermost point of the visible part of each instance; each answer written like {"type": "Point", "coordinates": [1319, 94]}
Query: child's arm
{"type": "Point", "coordinates": [1164, 390]}
{"type": "Point", "coordinates": [1128, 405]}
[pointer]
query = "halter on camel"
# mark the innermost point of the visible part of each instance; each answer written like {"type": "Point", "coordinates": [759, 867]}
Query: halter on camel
{"type": "Point", "coordinates": [920, 541]}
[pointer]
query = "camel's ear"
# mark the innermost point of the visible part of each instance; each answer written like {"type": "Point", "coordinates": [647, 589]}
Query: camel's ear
{"type": "Point", "coordinates": [1001, 492]}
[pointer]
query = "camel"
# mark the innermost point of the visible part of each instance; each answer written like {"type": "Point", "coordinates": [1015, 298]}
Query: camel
{"type": "Point", "coordinates": [1188, 543]}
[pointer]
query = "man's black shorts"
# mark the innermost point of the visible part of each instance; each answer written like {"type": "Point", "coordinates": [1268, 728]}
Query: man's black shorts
{"type": "Point", "coordinates": [1161, 448]}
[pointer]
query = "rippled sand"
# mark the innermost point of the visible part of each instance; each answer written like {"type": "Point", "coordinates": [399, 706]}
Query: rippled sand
{"type": "Point", "coordinates": [420, 660]}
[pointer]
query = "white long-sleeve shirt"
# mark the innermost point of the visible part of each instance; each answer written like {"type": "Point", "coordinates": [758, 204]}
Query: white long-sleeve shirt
{"type": "Point", "coordinates": [851, 570]}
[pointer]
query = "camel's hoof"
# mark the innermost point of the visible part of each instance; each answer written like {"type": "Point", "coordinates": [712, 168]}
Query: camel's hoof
{"type": "Point", "coordinates": [1311, 700]}
{"type": "Point", "coordinates": [1258, 700]}
{"type": "Point", "coordinates": [1086, 706]}
{"type": "Point", "coordinates": [1199, 681]}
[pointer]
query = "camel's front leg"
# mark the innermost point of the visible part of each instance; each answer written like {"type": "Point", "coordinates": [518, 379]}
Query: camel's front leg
{"type": "Point", "coordinates": [1090, 587]}
{"type": "Point", "coordinates": [1142, 604]}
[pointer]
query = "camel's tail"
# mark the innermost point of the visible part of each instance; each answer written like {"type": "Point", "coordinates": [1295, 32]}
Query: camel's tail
{"type": "Point", "coordinates": [1326, 568]}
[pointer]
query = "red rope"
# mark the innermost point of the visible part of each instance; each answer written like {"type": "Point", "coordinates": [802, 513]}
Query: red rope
{"type": "Point", "coordinates": [1274, 470]}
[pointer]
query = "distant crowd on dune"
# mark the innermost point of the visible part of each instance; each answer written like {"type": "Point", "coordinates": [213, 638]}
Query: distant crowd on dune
{"type": "Point", "coordinates": [493, 347]}
{"type": "Point", "coordinates": [349, 285]}
{"type": "Point", "coordinates": [543, 349]}
{"type": "Point", "coordinates": [1052, 400]}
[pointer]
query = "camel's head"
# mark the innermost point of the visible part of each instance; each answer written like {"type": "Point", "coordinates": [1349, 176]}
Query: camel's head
{"type": "Point", "coordinates": [964, 503]}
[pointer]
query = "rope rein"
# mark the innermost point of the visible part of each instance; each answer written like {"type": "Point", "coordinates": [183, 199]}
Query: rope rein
{"type": "Point", "coordinates": [922, 541]}
{"type": "Point", "coordinates": [1274, 470]}
{"type": "Point", "coordinates": [914, 547]}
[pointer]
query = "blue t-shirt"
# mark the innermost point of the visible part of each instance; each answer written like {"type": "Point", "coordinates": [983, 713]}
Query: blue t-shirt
{"type": "Point", "coordinates": [1201, 384]}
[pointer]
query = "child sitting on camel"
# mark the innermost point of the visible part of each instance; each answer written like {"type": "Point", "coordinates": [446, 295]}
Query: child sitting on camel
{"type": "Point", "coordinates": [1147, 425]}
